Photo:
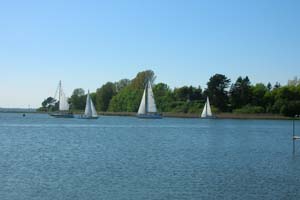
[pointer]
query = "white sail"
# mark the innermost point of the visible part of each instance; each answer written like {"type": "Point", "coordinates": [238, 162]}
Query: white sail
{"type": "Point", "coordinates": [151, 106]}
{"type": "Point", "coordinates": [88, 108]}
{"type": "Point", "coordinates": [142, 108]}
{"type": "Point", "coordinates": [209, 113]}
{"type": "Point", "coordinates": [94, 112]}
{"type": "Point", "coordinates": [63, 100]}
{"type": "Point", "coordinates": [206, 110]}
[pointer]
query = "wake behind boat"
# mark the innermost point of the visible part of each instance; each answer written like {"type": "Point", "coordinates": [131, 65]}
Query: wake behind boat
{"type": "Point", "coordinates": [63, 111]}
{"type": "Point", "coordinates": [90, 111]}
{"type": "Point", "coordinates": [147, 107]}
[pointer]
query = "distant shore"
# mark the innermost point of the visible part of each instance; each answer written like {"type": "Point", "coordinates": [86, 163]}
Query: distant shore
{"type": "Point", "coordinates": [180, 115]}
{"type": "Point", "coordinates": [219, 115]}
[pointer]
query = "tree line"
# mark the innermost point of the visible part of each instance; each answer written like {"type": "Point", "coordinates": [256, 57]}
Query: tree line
{"type": "Point", "coordinates": [238, 97]}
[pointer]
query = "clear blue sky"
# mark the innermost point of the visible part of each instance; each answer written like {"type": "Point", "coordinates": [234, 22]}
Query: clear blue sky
{"type": "Point", "coordinates": [87, 43]}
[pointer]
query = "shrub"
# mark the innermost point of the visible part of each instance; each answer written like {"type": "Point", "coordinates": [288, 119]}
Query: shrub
{"type": "Point", "coordinates": [249, 110]}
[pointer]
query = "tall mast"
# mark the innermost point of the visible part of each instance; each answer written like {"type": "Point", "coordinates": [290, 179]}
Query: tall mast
{"type": "Point", "coordinates": [59, 90]}
{"type": "Point", "coordinates": [146, 98]}
{"type": "Point", "coordinates": [90, 103]}
{"type": "Point", "coordinates": [206, 106]}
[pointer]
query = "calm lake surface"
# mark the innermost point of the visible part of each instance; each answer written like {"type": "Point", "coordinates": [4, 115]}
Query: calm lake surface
{"type": "Point", "coordinates": [129, 158]}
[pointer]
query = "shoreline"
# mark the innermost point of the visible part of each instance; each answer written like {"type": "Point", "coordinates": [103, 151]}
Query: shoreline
{"type": "Point", "coordinates": [183, 115]}
{"type": "Point", "coordinates": [218, 115]}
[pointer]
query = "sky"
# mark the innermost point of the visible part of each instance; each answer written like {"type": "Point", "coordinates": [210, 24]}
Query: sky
{"type": "Point", "coordinates": [87, 43]}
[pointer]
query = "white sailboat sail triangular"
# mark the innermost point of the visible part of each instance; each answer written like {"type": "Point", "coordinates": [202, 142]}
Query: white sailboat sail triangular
{"type": "Point", "coordinates": [94, 112]}
{"type": "Point", "coordinates": [90, 110]}
{"type": "Point", "coordinates": [63, 100]}
{"type": "Point", "coordinates": [63, 105]}
{"type": "Point", "coordinates": [209, 113]}
{"type": "Point", "coordinates": [151, 106]}
{"type": "Point", "coordinates": [147, 107]}
{"type": "Point", "coordinates": [142, 108]}
{"type": "Point", "coordinates": [206, 110]}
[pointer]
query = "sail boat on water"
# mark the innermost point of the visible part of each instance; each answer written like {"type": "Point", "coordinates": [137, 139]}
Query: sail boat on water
{"type": "Point", "coordinates": [63, 104]}
{"type": "Point", "coordinates": [206, 113]}
{"type": "Point", "coordinates": [147, 107]}
{"type": "Point", "coordinates": [90, 111]}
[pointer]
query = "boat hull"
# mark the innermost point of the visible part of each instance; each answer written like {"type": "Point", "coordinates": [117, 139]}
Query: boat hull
{"type": "Point", "coordinates": [209, 117]}
{"type": "Point", "coordinates": [150, 116]}
{"type": "Point", "coordinates": [62, 115]}
{"type": "Point", "coordinates": [87, 117]}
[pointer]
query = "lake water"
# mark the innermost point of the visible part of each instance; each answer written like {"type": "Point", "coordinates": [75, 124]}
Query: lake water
{"type": "Point", "coordinates": [133, 159]}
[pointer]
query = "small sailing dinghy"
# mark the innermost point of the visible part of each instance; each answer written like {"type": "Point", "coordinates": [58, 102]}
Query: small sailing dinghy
{"type": "Point", "coordinates": [206, 113]}
{"type": "Point", "coordinates": [90, 111]}
{"type": "Point", "coordinates": [63, 104]}
{"type": "Point", "coordinates": [147, 107]}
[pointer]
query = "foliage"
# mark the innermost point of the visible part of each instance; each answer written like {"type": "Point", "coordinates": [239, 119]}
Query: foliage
{"type": "Point", "coordinates": [248, 109]}
{"type": "Point", "coordinates": [126, 100]}
{"type": "Point", "coordinates": [125, 96]}
{"type": "Point", "coordinates": [291, 108]}
{"type": "Point", "coordinates": [216, 91]}
{"type": "Point", "coordinates": [240, 92]}
{"type": "Point", "coordinates": [104, 95]}
{"type": "Point", "coordinates": [258, 93]}
{"type": "Point", "coordinates": [49, 104]}
{"type": "Point", "coordinates": [163, 97]}
{"type": "Point", "coordinates": [186, 93]}
{"type": "Point", "coordinates": [121, 84]}
{"type": "Point", "coordinates": [78, 99]}
{"type": "Point", "coordinates": [141, 79]}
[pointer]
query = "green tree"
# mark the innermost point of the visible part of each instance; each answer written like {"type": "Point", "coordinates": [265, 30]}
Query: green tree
{"type": "Point", "coordinates": [240, 92]}
{"type": "Point", "coordinates": [258, 93]}
{"type": "Point", "coordinates": [268, 101]}
{"type": "Point", "coordinates": [277, 85]}
{"type": "Point", "coordinates": [78, 99]}
{"type": "Point", "coordinates": [186, 93]}
{"type": "Point", "coordinates": [181, 94]}
{"type": "Point", "coordinates": [104, 95]}
{"type": "Point", "coordinates": [269, 86]}
{"type": "Point", "coordinates": [195, 93]}
{"type": "Point", "coordinates": [128, 99]}
{"type": "Point", "coordinates": [286, 100]}
{"type": "Point", "coordinates": [49, 104]}
{"type": "Point", "coordinates": [216, 91]}
{"type": "Point", "coordinates": [291, 108]}
{"type": "Point", "coordinates": [141, 79]}
{"type": "Point", "coordinates": [121, 84]}
{"type": "Point", "coordinates": [163, 97]}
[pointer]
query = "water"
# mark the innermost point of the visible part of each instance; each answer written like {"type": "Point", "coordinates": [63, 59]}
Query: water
{"type": "Point", "coordinates": [128, 158]}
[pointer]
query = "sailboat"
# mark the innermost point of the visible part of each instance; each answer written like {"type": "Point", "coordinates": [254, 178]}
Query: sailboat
{"type": "Point", "coordinates": [147, 107]}
{"type": "Point", "coordinates": [63, 104]}
{"type": "Point", "coordinates": [206, 113]}
{"type": "Point", "coordinates": [90, 111]}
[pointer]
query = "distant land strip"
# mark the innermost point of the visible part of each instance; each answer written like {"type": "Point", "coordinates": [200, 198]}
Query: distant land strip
{"type": "Point", "coordinates": [168, 114]}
